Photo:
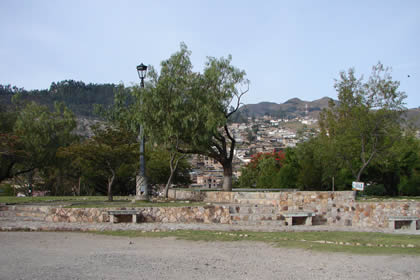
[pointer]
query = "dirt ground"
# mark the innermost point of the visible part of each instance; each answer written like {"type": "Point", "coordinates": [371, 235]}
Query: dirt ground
{"type": "Point", "coordinates": [50, 255]}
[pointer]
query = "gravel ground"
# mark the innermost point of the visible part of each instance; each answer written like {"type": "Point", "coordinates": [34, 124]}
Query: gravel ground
{"type": "Point", "coordinates": [52, 255]}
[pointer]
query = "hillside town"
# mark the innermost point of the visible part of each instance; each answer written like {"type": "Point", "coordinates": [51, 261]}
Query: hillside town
{"type": "Point", "coordinates": [255, 135]}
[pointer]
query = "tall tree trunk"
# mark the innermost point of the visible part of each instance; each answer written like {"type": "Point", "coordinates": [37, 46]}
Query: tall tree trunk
{"type": "Point", "coordinates": [79, 183]}
{"type": "Point", "coordinates": [172, 168]}
{"type": "Point", "coordinates": [169, 183]}
{"type": "Point", "coordinates": [227, 175]}
{"type": "Point", "coordinates": [173, 165]}
{"type": "Point", "coordinates": [110, 181]}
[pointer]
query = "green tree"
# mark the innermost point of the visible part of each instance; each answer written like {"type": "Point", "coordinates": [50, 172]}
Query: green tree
{"type": "Point", "coordinates": [37, 134]}
{"type": "Point", "coordinates": [110, 152]}
{"type": "Point", "coordinates": [396, 169]}
{"type": "Point", "coordinates": [366, 122]}
{"type": "Point", "coordinates": [11, 149]}
{"type": "Point", "coordinates": [310, 172]}
{"type": "Point", "coordinates": [124, 113]}
{"type": "Point", "coordinates": [158, 167]}
{"type": "Point", "coordinates": [188, 111]}
{"type": "Point", "coordinates": [263, 171]}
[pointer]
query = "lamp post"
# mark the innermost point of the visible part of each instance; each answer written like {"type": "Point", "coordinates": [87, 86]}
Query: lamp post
{"type": "Point", "coordinates": [142, 192]}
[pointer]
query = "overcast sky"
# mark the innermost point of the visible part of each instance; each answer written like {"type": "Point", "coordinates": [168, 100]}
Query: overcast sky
{"type": "Point", "coordinates": [288, 48]}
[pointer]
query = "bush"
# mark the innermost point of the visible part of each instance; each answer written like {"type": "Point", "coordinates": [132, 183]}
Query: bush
{"type": "Point", "coordinates": [263, 171]}
{"type": "Point", "coordinates": [410, 187]}
{"type": "Point", "coordinates": [375, 190]}
{"type": "Point", "coordinates": [6, 190]}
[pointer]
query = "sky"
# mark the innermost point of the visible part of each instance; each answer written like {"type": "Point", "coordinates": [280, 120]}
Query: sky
{"type": "Point", "coordinates": [287, 48]}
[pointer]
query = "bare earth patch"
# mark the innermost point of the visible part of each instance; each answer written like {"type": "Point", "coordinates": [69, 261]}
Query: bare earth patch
{"type": "Point", "coordinates": [50, 255]}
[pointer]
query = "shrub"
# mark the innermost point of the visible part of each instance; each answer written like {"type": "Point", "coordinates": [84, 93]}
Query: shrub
{"type": "Point", "coordinates": [375, 190]}
{"type": "Point", "coordinates": [6, 190]}
{"type": "Point", "coordinates": [410, 187]}
{"type": "Point", "coordinates": [265, 171]}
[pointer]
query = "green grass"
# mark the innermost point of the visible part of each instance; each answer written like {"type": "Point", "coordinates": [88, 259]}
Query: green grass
{"type": "Point", "coordinates": [122, 203]}
{"type": "Point", "coordinates": [386, 198]}
{"type": "Point", "coordinates": [50, 199]}
{"type": "Point", "coordinates": [357, 242]}
{"type": "Point", "coordinates": [92, 202]}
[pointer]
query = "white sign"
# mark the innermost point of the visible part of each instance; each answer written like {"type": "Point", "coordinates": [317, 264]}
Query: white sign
{"type": "Point", "coordinates": [358, 186]}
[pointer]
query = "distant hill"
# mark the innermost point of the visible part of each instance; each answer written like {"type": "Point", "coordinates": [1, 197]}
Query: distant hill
{"type": "Point", "coordinates": [413, 115]}
{"type": "Point", "coordinates": [290, 109]}
{"type": "Point", "coordinates": [296, 107]}
{"type": "Point", "coordinates": [81, 97]}
{"type": "Point", "coordinates": [76, 95]}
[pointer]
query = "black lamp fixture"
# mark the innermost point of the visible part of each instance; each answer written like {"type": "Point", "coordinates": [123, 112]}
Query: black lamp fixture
{"type": "Point", "coordinates": [141, 70]}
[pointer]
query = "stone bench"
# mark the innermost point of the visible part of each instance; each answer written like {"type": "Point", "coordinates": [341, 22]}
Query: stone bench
{"type": "Point", "coordinates": [298, 218]}
{"type": "Point", "coordinates": [410, 220]}
{"type": "Point", "coordinates": [114, 213]}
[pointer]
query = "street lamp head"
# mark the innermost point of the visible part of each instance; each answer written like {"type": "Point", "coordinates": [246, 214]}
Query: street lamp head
{"type": "Point", "coordinates": [141, 70]}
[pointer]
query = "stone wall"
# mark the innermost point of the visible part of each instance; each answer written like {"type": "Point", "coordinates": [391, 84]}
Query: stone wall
{"type": "Point", "coordinates": [194, 214]}
{"type": "Point", "coordinates": [330, 208]}
{"type": "Point", "coordinates": [248, 208]}
{"type": "Point", "coordinates": [376, 214]}
{"type": "Point", "coordinates": [293, 200]}
{"type": "Point", "coordinates": [186, 195]}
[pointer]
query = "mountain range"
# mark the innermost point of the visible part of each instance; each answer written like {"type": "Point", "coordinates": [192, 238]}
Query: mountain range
{"type": "Point", "coordinates": [296, 107]}
{"type": "Point", "coordinates": [292, 108]}
{"type": "Point", "coordinates": [81, 97]}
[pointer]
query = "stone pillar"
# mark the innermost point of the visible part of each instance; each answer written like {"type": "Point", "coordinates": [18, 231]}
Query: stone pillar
{"type": "Point", "coordinates": [413, 225]}
{"type": "Point", "coordinates": [289, 221]}
{"type": "Point", "coordinates": [392, 224]}
{"type": "Point", "coordinates": [134, 218]}
{"type": "Point", "coordinates": [111, 219]}
{"type": "Point", "coordinates": [308, 221]}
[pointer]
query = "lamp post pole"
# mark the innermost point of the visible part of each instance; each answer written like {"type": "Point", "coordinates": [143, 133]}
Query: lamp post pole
{"type": "Point", "coordinates": [142, 191]}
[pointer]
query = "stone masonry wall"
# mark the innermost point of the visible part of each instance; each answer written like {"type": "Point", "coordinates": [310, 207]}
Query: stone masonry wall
{"type": "Point", "coordinates": [186, 195]}
{"type": "Point", "coordinates": [204, 214]}
{"type": "Point", "coordinates": [376, 214]}
{"type": "Point", "coordinates": [294, 200]}
{"type": "Point", "coordinates": [330, 208]}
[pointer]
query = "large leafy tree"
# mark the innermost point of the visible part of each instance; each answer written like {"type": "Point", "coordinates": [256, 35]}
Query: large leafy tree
{"type": "Point", "coordinates": [188, 112]}
{"type": "Point", "coordinates": [366, 122]}
{"type": "Point", "coordinates": [11, 149]}
{"type": "Point", "coordinates": [397, 169]}
{"type": "Point", "coordinates": [112, 151]}
{"type": "Point", "coordinates": [35, 138]}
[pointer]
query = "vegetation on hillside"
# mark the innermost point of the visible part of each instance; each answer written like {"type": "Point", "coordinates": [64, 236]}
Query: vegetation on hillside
{"type": "Point", "coordinates": [76, 95]}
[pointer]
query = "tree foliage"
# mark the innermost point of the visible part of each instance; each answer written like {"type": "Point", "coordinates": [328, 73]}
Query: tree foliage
{"type": "Point", "coordinates": [78, 96]}
{"type": "Point", "coordinates": [188, 111]}
{"type": "Point", "coordinates": [31, 137]}
{"type": "Point", "coordinates": [263, 171]}
{"type": "Point", "coordinates": [111, 152]}
{"type": "Point", "coordinates": [366, 122]}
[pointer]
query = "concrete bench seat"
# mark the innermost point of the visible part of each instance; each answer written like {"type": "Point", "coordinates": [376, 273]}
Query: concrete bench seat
{"type": "Point", "coordinates": [298, 218]}
{"type": "Point", "coordinates": [114, 213]}
{"type": "Point", "coordinates": [398, 221]}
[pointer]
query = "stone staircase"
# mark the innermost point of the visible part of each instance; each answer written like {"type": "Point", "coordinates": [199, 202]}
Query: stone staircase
{"type": "Point", "coordinates": [11, 213]}
{"type": "Point", "coordinates": [256, 214]}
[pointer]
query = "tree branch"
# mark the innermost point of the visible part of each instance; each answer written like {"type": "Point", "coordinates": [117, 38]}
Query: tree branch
{"type": "Point", "coordinates": [238, 102]}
